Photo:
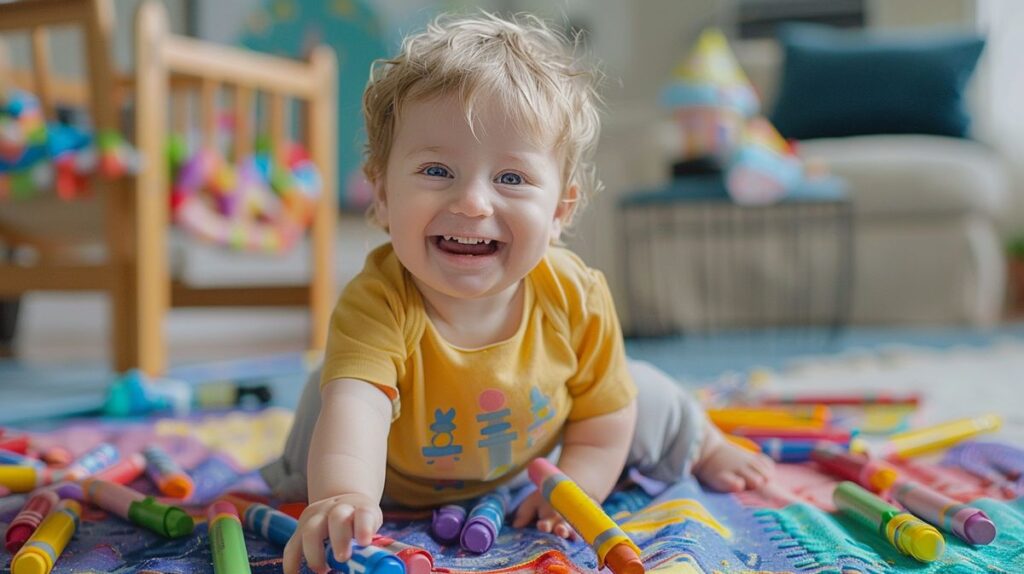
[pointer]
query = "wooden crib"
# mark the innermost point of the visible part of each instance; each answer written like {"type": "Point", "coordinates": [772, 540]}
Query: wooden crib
{"type": "Point", "coordinates": [178, 84]}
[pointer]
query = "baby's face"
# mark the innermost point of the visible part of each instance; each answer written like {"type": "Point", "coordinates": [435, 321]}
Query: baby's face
{"type": "Point", "coordinates": [469, 215]}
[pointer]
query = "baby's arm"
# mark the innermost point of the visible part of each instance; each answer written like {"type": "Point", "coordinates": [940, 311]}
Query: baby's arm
{"type": "Point", "coordinates": [347, 461]}
{"type": "Point", "coordinates": [594, 452]}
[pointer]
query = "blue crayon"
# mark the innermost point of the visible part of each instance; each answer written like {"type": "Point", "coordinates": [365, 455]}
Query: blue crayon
{"type": "Point", "coordinates": [367, 560]}
{"type": "Point", "coordinates": [11, 457]}
{"type": "Point", "coordinates": [792, 450]}
{"type": "Point", "coordinates": [484, 522]}
{"type": "Point", "coordinates": [271, 524]}
{"type": "Point", "coordinates": [93, 461]}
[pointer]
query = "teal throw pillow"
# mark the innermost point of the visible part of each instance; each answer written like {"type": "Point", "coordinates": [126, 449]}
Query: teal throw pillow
{"type": "Point", "coordinates": [842, 83]}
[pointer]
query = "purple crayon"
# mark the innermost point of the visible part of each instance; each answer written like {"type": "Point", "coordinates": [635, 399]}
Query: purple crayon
{"type": "Point", "coordinates": [970, 524]}
{"type": "Point", "coordinates": [484, 522]}
{"type": "Point", "coordinates": [447, 523]}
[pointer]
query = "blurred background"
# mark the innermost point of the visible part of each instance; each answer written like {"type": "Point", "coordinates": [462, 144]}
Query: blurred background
{"type": "Point", "coordinates": [783, 178]}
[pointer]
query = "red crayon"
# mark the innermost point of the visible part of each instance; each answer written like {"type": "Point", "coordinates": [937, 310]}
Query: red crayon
{"type": "Point", "coordinates": [26, 522]}
{"type": "Point", "coordinates": [124, 471]}
{"type": "Point", "coordinates": [873, 474]}
{"type": "Point", "coordinates": [417, 560]}
{"type": "Point", "coordinates": [18, 444]}
{"type": "Point", "coordinates": [880, 398]}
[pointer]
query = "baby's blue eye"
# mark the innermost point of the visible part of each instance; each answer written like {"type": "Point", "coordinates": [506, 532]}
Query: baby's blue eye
{"type": "Point", "coordinates": [509, 178]}
{"type": "Point", "coordinates": [436, 171]}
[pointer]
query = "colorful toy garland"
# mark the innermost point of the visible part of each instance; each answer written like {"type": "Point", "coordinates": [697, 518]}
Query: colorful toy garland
{"type": "Point", "coordinates": [260, 205]}
{"type": "Point", "coordinates": [35, 156]}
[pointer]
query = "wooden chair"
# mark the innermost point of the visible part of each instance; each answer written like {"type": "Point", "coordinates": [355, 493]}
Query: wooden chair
{"type": "Point", "coordinates": [130, 216]}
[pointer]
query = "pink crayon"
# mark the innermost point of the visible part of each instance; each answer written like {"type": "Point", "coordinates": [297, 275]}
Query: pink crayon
{"type": "Point", "coordinates": [124, 471]}
{"type": "Point", "coordinates": [417, 560]}
{"type": "Point", "coordinates": [970, 524]}
{"type": "Point", "coordinates": [26, 522]}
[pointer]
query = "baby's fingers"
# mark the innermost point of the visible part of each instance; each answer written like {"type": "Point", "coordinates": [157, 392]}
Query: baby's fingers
{"type": "Point", "coordinates": [527, 512]}
{"type": "Point", "coordinates": [313, 543]}
{"type": "Point", "coordinates": [339, 521]}
{"type": "Point", "coordinates": [366, 523]}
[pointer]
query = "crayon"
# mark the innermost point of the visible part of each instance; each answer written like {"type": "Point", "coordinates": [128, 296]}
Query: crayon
{"type": "Point", "coordinates": [19, 478]}
{"type": "Point", "coordinates": [271, 524]}
{"type": "Point", "coordinates": [366, 560]}
{"type": "Point", "coordinates": [124, 471]}
{"type": "Point", "coordinates": [56, 456]}
{"type": "Point", "coordinates": [612, 546]}
{"type": "Point", "coordinates": [417, 560]}
{"type": "Point", "coordinates": [447, 522]}
{"type": "Point", "coordinates": [4, 491]}
{"type": "Point", "coordinates": [47, 543]}
{"type": "Point", "coordinates": [137, 508]}
{"type": "Point", "coordinates": [29, 518]}
{"type": "Point", "coordinates": [227, 542]}
{"type": "Point", "coordinates": [484, 522]}
{"type": "Point", "coordinates": [824, 434]}
{"type": "Point", "coordinates": [96, 459]}
{"type": "Point", "coordinates": [937, 437]}
{"type": "Point", "coordinates": [13, 458]}
{"type": "Point", "coordinates": [790, 450]}
{"type": "Point", "coordinates": [903, 530]}
{"type": "Point", "coordinates": [867, 472]}
{"type": "Point", "coordinates": [860, 399]}
{"type": "Point", "coordinates": [18, 444]}
{"type": "Point", "coordinates": [166, 474]}
{"type": "Point", "coordinates": [970, 524]}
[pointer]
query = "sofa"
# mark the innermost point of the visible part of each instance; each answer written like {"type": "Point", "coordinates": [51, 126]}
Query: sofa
{"type": "Point", "coordinates": [925, 242]}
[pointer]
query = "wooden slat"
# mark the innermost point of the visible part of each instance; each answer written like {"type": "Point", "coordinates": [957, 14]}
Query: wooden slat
{"type": "Point", "coordinates": [243, 137]}
{"type": "Point", "coordinates": [208, 112]}
{"type": "Point", "coordinates": [235, 66]}
{"type": "Point", "coordinates": [183, 295]}
{"type": "Point", "coordinates": [323, 140]}
{"type": "Point", "coordinates": [18, 280]}
{"type": "Point", "coordinates": [41, 71]}
{"type": "Point", "coordinates": [24, 15]}
{"type": "Point", "coordinates": [277, 120]}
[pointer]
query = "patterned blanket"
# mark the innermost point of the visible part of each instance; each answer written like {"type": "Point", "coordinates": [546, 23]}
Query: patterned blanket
{"type": "Point", "coordinates": [789, 526]}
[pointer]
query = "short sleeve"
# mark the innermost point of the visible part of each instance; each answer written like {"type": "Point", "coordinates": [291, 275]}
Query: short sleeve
{"type": "Point", "coordinates": [602, 383]}
{"type": "Point", "coordinates": [365, 338]}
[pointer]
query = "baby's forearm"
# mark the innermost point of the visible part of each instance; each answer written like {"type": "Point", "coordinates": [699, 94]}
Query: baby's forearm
{"type": "Point", "coordinates": [594, 450]}
{"type": "Point", "coordinates": [348, 450]}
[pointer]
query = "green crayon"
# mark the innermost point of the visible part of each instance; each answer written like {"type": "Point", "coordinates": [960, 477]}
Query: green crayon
{"type": "Point", "coordinates": [227, 542]}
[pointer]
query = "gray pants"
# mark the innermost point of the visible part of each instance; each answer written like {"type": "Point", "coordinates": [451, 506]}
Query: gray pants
{"type": "Point", "coordinates": [670, 429]}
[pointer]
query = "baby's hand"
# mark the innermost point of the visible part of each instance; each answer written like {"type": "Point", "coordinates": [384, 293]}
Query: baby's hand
{"type": "Point", "coordinates": [535, 507]}
{"type": "Point", "coordinates": [340, 518]}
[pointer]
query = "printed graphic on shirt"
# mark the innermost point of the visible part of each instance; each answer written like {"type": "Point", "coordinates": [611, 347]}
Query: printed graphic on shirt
{"type": "Point", "coordinates": [443, 453]}
{"type": "Point", "coordinates": [496, 432]}
{"type": "Point", "coordinates": [540, 406]}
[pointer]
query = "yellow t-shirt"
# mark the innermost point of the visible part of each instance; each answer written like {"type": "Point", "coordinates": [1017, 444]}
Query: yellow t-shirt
{"type": "Point", "coordinates": [465, 420]}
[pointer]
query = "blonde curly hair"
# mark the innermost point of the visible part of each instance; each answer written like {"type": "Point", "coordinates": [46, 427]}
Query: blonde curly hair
{"type": "Point", "coordinates": [522, 63]}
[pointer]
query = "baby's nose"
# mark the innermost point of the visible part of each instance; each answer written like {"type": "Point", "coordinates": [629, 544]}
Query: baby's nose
{"type": "Point", "coordinates": [472, 200]}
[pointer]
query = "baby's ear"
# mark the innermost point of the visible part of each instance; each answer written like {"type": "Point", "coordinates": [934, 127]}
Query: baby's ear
{"type": "Point", "coordinates": [564, 211]}
{"type": "Point", "coordinates": [380, 202]}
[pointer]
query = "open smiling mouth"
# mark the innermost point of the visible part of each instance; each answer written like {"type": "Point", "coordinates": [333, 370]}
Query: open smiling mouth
{"type": "Point", "coordinates": [466, 246]}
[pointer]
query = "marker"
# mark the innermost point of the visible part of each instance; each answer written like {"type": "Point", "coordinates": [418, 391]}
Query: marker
{"type": "Point", "coordinates": [366, 560]}
{"type": "Point", "coordinates": [904, 531]}
{"type": "Point", "coordinates": [271, 524]}
{"type": "Point", "coordinates": [227, 542]}
{"type": "Point", "coordinates": [484, 522]}
{"type": "Point", "coordinates": [137, 508]}
{"type": "Point", "coordinates": [417, 560]}
{"type": "Point", "coordinates": [867, 472]}
{"type": "Point", "coordinates": [29, 518]}
{"type": "Point", "coordinates": [447, 522]}
{"type": "Point", "coordinates": [790, 450]}
{"type": "Point", "coordinates": [166, 474]}
{"type": "Point", "coordinates": [612, 546]}
{"type": "Point", "coordinates": [19, 478]}
{"type": "Point", "coordinates": [47, 543]}
{"type": "Point", "coordinates": [970, 524]}
{"type": "Point", "coordinates": [940, 436]}
{"type": "Point", "coordinates": [98, 458]}
{"type": "Point", "coordinates": [13, 458]}
{"type": "Point", "coordinates": [878, 398]}
{"type": "Point", "coordinates": [124, 471]}
{"type": "Point", "coordinates": [56, 456]}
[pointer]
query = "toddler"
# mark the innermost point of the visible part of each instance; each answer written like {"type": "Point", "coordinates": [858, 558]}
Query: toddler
{"type": "Point", "coordinates": [471, 343]}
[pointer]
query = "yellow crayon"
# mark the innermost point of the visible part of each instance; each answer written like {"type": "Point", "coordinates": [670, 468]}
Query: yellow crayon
{"type": "Point", "coordinates": [937, 437]}
{"type": "Point", "coordinates": [19, 478]}
{"type": "Point", "coordinates": [48, 541]}
{"type": "Point", "coordinates": [612, 546]}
